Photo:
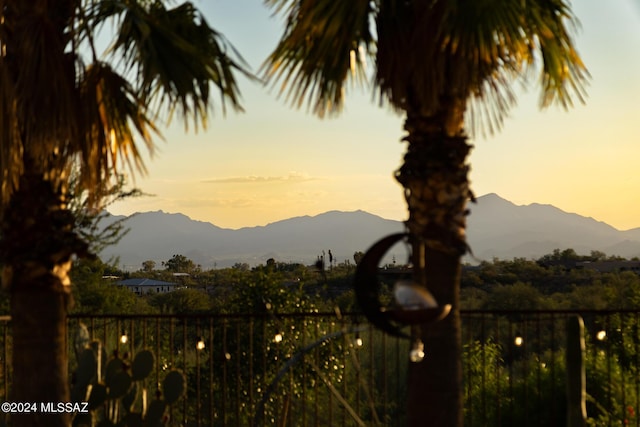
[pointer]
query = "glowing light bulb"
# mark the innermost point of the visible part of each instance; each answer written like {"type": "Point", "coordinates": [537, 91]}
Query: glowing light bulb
{"type": "Point", "coordinates": [417, 352]}
{"type": "Point", "coordinates": [124, 338]}
{"type": "Point", "coordinates": [359, 342]}
{"type": "Point", "coordinates": [200, 344]}
{"type": "Point", "coordinates": [601, 335]}
{"type": "Point", "coordinates": [278, 337]}
{"type": "Point", "coordinates": [518, 341]}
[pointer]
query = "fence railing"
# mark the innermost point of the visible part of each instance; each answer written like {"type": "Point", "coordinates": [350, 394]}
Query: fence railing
{"type": "Point", "coordinates": [303, 369]}
{"type": "Point", "coordinates": [321, 369]}
{"type": "Point", "coordinates": [515, 365]}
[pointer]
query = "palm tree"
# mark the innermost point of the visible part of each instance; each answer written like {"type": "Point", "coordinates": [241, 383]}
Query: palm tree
{"type": "Point", "coordinates": [435, 60]}
{"type": "Point", "coordinates": [65, 104]}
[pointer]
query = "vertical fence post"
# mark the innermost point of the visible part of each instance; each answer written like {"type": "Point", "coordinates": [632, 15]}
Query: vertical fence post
{"type": "Point", "coordinates": [576, 375]}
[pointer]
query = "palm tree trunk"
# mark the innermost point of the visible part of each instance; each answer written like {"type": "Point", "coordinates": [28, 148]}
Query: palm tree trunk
{"type": "Point", "coordinates": [37, 246]}
{"type": "Point", "coordinates": [434, 176]}
{"type": "Point", "coordinates": [39, 325]}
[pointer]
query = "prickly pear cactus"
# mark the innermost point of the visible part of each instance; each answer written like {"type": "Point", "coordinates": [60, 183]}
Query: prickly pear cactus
{"type": "Point", "coordinates": [173, 387]}
{"type": "Point", "coordinates": [115, 389]}
{"type": "Point", "coordinates": [142, 365]}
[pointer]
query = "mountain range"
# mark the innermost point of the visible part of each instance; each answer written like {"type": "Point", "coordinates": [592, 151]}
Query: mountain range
{"type": "Point", "coordinates": [495, 228]}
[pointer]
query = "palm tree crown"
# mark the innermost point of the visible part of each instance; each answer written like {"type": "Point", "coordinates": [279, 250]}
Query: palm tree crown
{"type": "Point", "coordinates": [63, 101]}
{"type": "Point", "coordinates": [427, 51]}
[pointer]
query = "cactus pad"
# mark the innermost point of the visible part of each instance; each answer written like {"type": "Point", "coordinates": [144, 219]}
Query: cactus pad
{"type": "Point", "coordinates": [142, 365]}
{"type": "Point", "coordinates": [173, 386]}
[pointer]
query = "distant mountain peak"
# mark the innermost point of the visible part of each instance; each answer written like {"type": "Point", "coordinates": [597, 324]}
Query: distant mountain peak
{"type": "Point", "coordinates": [490, 196]}
{"type": "Point", "coordinates": [493, 198]}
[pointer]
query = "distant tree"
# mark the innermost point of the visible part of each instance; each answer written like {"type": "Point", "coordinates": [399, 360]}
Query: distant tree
{"type": "Point", "coordinates": [179, 264]}
{"type": "Point", "coordinates": [597, 256]}
{"type": "Point", "coordinates": [515, 297]}
{"type": "Point", "coordinates": [148, 266]}
{"type": "Point", "coordinates": [590, 297]}
{"type": "Point", "coordinates": [569, 255]}
{"type": "Point", "coordinates": [182, 301]}
{"type": "Point", "coordinates": [622, 290]}
{"type": "Point", "coordinates": [241, 266]}
{"type": "Point", "coordinates": [471, 278]}
{"type": "Point", "coordinates": [94, 295]}
{"type": "Point", "coordinates": [566, 258]}
{"type": "Point", "coordinates": [472, 298]}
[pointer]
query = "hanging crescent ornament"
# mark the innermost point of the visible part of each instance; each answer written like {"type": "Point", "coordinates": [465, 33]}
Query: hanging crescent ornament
{"type": "Point", "coordinates": [414, 304]}
{"type": "Point", "coordinates": [367, 286]}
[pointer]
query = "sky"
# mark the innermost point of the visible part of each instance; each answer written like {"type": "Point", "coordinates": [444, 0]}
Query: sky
{"type": "Point", "coordinates": [274, 161]}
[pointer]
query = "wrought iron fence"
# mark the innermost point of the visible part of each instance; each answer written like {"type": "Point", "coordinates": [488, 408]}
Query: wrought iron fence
{"type": "Point", "coordinates": [515, 367]}
{"type": "Point", "coordinates": [286, 370]}
{"type": "Point", "coordinates": [321, 369]}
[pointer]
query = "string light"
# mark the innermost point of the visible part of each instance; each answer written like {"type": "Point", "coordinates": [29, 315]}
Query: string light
{"type": "Point", "coordinates": [601, 335]}
{"type": "Point", "coordinates": [124, 338]}
{"type": "Point", "coordinates": [200, 344]}
{"type": "Point", "coordinates": [518, 341]}
{"type": "Point", "coordinates": [417, 351]}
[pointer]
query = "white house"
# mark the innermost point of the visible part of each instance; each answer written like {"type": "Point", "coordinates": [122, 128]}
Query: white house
{"type": "Point", "coordinates": [142, 286]}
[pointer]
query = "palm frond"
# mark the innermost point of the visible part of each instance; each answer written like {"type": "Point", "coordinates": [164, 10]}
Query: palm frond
{"type": "Point", "coordinates": [114, 117]}
{"type": "Point", "coordinates": [322, 47]}
{"type": "Point", "coordinates": [175, 56]}
{"type": "Point", "coordinates": [562, 73]}
{"type": "Point", "coordinates": [56, 111]}
{"type": "Point", "coordinates": [37, 82]}
{"type": "Point", "coordinates": [45, 79]}
{"type": "Point", "coordinates": [429, 51]}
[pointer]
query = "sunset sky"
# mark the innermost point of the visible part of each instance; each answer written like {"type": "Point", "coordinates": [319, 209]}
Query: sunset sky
{"type": "Point", "coordinates": [274, 162]}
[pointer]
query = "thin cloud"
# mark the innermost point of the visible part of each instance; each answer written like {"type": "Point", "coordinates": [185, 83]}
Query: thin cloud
{"type": "Point", "coordinates": [236, 203]}
{"type": "Point", "coordinates": [255, 179]}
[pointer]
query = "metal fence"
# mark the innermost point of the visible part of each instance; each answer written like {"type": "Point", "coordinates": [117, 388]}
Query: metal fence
{"type": "Point", "coordinates": [285, 370]}
{"type": "Point", "coordinates": [515, 367]}
{"type": "Point", "coordinates": [322, 369]}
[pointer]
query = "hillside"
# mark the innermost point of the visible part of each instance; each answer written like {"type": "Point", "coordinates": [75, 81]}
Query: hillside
{"type": "Point", "coordinates": [496, 228]}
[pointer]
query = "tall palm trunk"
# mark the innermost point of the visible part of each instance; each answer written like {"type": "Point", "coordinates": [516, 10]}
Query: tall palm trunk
{"type": "Point", "coordinates": [37, 246]}
{"type": "Point", "coordinates": [434, 176]}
